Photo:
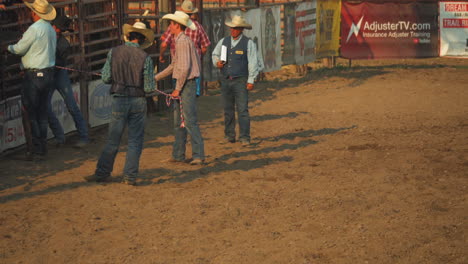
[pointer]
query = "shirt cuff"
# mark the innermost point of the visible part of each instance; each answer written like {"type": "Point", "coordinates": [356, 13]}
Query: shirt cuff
{"type": "Point", "coordinates": [251, 80]}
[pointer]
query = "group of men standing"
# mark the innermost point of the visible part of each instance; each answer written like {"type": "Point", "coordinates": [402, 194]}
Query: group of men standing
{"type": "Point", "coordinates": [129, 70]}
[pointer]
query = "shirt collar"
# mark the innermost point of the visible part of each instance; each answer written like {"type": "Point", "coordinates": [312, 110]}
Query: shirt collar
{"type": "Point", "coordinates": [131, 44]}
{"type": "Point", "coordinates": [240, 37]}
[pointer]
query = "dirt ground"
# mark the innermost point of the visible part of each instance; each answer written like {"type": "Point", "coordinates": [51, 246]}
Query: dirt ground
{"type": "Point", "coordinates": [360, 165]}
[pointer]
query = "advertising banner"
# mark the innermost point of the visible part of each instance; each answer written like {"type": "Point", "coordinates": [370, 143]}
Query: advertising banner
{"type": "Point", "coordinates": [11, 123]}
{"type": "Point", "coordinates": [12, 128]}
{"type": "Point", "coordinates": [305, 32]}
{"type": "Point", "coordinates": [61, 111]}
{"type": "Point", "coordinates": [454, 28]}
{"type": "Point", "coordinates": [289, 34]}
{"type": "Point", "coordinates": [253, 17]}
{"type": "Point", "coordinates": [271, 36]}
{"type": "Point", "coordinates": [328, 28]}
{"type": "Point", "coordinates": [389, 30]}
{"type": "Point", "coordinates": [213, 23]}
{"type": "Point", "coordinates": [100, 103]}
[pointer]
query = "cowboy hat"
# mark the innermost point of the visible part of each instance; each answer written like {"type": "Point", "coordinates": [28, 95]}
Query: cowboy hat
{"type": "Point", "coordinates": [43, 9]}
{"type": "Point", "coordinates": [62, 23]}
{"type": "Point", "coordinates": [140, 27]}
{"type": "Point", "coordinates": [181, 18]}
{"type": "Point", "coordinates": [188, 7]}
{"type": "Point", "coordinates": [238, 21]}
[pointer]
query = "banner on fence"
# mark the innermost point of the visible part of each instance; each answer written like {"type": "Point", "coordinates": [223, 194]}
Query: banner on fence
{"type": "Point", "coordinates": [253, 17]}
{"type": "Point", "coordinates": [213, 23]}
{"type": "Point", "coordinates": [289, 34]}
{"type": "Point", "coordinates": [389, 30]}
{"type": "Point", "coordinates": [454, 29]}
{"type": "Point", "coordinates": [100, 103]}
{"type": "Point", "coordinates": [328, 28]}
{"type": "Point", "coordinates": [271, 36]}
{"type": "Point", "coordinates": [305, 32]}
{"type": "Point", "coordinates": [61, 110]}
{"type": "Point", "coordinates": [11, 123]}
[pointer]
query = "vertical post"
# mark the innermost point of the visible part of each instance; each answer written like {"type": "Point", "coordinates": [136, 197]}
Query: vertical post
{"type": "Point", "coordinates": [82, 63]}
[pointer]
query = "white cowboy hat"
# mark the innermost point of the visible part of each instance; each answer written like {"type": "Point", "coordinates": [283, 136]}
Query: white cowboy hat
{"type": "Point", "coordinates": [181, 18]}
{"type": "Point", "coordinates": [188, 7]}
{"type": "Point", "coordinates": [238, 21]}
{"type": "Point", "coordinates": [140, 27]}
{"type": "Point", "coordinates": [43, 9]}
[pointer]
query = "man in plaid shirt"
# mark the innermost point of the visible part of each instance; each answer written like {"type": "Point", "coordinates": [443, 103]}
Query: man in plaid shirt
{"type": "Point", "coordinates": [198, 36]}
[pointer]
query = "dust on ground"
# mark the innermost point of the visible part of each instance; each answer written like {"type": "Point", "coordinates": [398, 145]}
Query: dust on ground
{"type": "Point", "coordinates": [348, 165]}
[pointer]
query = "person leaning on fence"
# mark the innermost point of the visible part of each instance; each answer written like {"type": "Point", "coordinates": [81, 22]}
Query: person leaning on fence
{"type": "Point", "coordinates": [198, 36]}
{"type": "Point", "coordinates": [185, 68]}
{"type": "Point", "coordinates": [239, 68]}
{"type": "Point", "coordinates": [37, 48]}
{"type": "Point", "coordinates": [129, 70]}
{"type": "Point", "coordinates": [63, 86]}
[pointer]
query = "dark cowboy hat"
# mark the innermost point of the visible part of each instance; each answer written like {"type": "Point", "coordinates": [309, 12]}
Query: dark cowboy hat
{"type": "Point", "coordinates": [63, 23]}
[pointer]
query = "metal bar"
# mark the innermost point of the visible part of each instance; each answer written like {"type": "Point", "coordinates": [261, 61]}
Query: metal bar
{"type": "Point", "coordinates": [99, 52]}
{"type": "Point", "coordinates": [100, 30]}
{"type": "Point", "coordinates": [97, 62]}
{"type": "Point", "coordinates": [101, 41]}
{"type": "Point", "coordinates": [105, 14]}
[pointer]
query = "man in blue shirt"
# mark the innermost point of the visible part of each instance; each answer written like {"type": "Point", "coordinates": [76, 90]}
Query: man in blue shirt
{"type": "Point", "coordinates": [130, 71]}
{"type": "Point", "coordinates": [236, 57]}
{"type": "Point", "coordinates": [37, 48]}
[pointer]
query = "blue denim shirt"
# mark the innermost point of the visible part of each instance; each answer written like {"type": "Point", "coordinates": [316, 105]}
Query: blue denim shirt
{"type": "Point", "coordinates": [148, 70]}
{"type": "Point", "coordinates": [37, 46]}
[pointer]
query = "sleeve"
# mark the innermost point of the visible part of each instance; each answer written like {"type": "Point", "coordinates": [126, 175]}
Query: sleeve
{"type": "Point", "coordinates": [253, 61]}
{"type": "Point", "coordinates": [23, 45]}
{"type": "Point", "coordinates": [217, 52]}
{"type": "Point", "coordinates": [204, 40]}
{"type": "Point", "coordinates": [148, 72]}
{"type": "Point", "coordinates": [106, 70]}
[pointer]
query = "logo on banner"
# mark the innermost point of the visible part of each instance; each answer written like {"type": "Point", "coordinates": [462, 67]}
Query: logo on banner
{"type": "Point", "coordinates": [354, 29]}
{"type": "Point", "coordinates": [101, 102]}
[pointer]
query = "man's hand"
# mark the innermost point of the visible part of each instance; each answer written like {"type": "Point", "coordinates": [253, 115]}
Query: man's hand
{"type": "Point", "coordinates": [250, 86]}
{"type": "Point", "coordinates": [161, 59]}
{"type": "Point", "coordinates": [175, 93]}
{"type": "Point", "coordinates": [157, 78]}
{"type": "Point", "coordinates": [220, 64]}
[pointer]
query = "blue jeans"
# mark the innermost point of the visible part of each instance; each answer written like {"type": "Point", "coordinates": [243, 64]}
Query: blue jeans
{"type": "Point", "coordinates": [63, 86]}
{"type": "Point", "coordinates": [129, 111]}
{"type": "Point", "coordinates": [34, 93]}
{"type": "Point", "coordinates": [235, 95]}
{"type": "Point", "coordinates": [189, 111]}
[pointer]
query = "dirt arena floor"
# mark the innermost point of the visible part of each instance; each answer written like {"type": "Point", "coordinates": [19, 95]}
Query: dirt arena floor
{"type": "Point", "coordinates": [367, 164]}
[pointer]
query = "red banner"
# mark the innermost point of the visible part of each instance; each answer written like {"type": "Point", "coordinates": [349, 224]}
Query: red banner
{"type": "Point", "coordinates": [389, 30]}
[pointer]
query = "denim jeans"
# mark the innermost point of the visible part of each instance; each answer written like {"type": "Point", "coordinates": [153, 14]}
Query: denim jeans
{"type": "Point", "coordinates": [235, 95]}
{"type": "Point", "coordinates": [189, 111]}
{"type": "Point", "coordinates": [63, 86]}
{"type": "Point", "coordinates": [129, 111]}
{"type": "Point", "coordinates": [34, 94]}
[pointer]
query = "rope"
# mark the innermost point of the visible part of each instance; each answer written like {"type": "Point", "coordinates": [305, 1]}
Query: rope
{"type": "Point", "coordinates": [70, 69]}
{"type": "Point", "coordinates": [169, 97]}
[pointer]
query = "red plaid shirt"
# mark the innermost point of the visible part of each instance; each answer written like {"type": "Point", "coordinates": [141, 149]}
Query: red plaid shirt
{"type": "Point", "coordinates": [198, 36]}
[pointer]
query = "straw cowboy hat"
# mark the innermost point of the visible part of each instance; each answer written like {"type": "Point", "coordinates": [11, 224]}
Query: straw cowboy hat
{"type": "Point", "coordinates": [181, 18]}
{"type": "Point", "coordinates": [43, 9]}
{"type": "Point", "coordinates": [188, 7]}
{"type": "Point", "coordinates": [139, 27]}
{"type": "Point", "coordinates": [238, 21]}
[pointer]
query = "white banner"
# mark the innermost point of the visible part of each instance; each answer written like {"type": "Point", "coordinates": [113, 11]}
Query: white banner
{"type": "Point", "coordinates": [453, 28]}
{"type": "Point", "coordinates": [306, 17]}
{"type": "Point", "coordinates": [11, 123]}
{"type": "Point", "coordinates": [61, 111]}
{"type": "Point", "coordinates": [271, 36]}
{"type": "Point", "coordinates": [100, 103]}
